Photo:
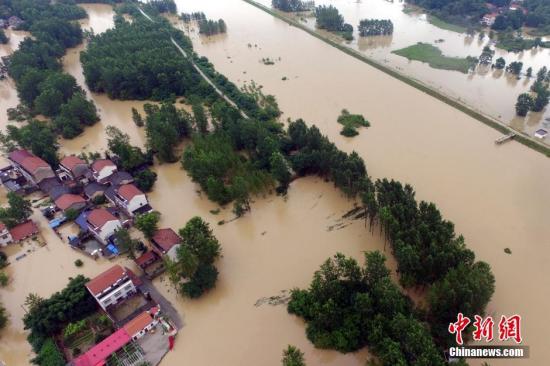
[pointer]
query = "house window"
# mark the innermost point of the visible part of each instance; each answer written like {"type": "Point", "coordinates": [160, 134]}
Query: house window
{"type": "Point", "coordinates": [118, 293]}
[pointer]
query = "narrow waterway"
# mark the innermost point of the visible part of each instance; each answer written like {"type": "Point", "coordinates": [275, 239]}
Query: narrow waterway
{"type": "Point", "coordinates": [497, 196]}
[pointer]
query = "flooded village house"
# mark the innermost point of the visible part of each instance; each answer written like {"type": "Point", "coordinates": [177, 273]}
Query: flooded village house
{"type": "Point", "coordinates": [34, 169]}
{"type": "Point", "coordinates": [73, 168]}
{"type": "Point", "coordinates": [129, 198]}
{"type": "Point", "coordinates": [102, 224]}
{"type": "Point", "coordinates": [102, 169]}
{"type": "Point", "coordinates": [112, 287]}
{"type": "Point", "coordinates": [17, 233]}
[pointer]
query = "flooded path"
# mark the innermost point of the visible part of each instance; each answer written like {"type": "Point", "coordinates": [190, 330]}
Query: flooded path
{"type": "Point", "coordinates": [497, 196]}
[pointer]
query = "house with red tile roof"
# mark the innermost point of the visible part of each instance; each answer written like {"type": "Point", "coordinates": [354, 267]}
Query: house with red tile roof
{"type": "Point", "coordinates": [102, 224]}
{"type": "Point", "coordinates": [31, 167]}
{"type": "Point", "coordinates": [113, 286]}
{"type": "Point", "coordinates": [98, 354]}
{"type": "Point", "coordinates": [146, 259]}
{"type": "Point", "coordinates": [129, 198]}
{"type": "Point", "coordinates": [165, 239]}
{"type": "Point", "coordinates": [70, 201]}
{"type": "Point", "coordinates": [73, 167]}
{"type": "Point", "coordinates": [23, 231]}
{"type": "Point", "coordinates": [5, 236]}
{"type": "Point", "coordinates": [141, 324]}
{"type": "Point", "coordinates": [102, 169]}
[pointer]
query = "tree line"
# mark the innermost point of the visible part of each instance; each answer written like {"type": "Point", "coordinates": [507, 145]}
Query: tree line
{"type": "Point", "coordinates": [293, 5]}
{"type": "Point", "coordinates": [137, 60]}
{"type": "Point", "coordinates": [41, 84]}
{"type": "Point", "coordinates": [539, 97]}
{"type": "Point", "coordinates": [330, 19]}
{"type": "Point", "coordinates": [45, 318]}
{"type": "Point", "coordinates": [375, 27]}
{"type": "Point", "coordinates": [210, 27]}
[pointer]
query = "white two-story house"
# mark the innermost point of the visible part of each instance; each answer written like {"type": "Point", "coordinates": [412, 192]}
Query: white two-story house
{"type": "Point", "coordinates": [112, 286]}
{"type": "Point", "coordinates": [102, 224]}
{"type": "Point", "coordinates": [129, 198]}
{"type": "Point", "coordinates": [102, 169]}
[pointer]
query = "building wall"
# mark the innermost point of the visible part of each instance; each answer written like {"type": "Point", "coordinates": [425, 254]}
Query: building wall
{"type": "Point", "coordinates": [5, 238]}
{"type": "Point", "coordinates": [109, 229]}
{"type": "Point", "coordinates": [144, 330]}
{"type": "Point", "coordinates": [137, 202]}
{"type": "Point", "coordinates": [116, 295]}
{"type": "Point", "coordinates": [105, 173]}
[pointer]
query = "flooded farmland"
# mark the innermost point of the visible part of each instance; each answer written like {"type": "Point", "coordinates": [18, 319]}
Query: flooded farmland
{"type": "Point", "coordinates": [491, 92]}
{"type": "Point", "coordinates": [497, 197]}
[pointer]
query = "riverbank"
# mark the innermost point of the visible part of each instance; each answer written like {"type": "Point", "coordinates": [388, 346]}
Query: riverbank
{"type": "Point", "coordinates": [489, 121]}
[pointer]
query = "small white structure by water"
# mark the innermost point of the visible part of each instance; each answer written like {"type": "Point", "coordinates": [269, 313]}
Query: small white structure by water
{"type": "Point", "coordinates": [541, 133]}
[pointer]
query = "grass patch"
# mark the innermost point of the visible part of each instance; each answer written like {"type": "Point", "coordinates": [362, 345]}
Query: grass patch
{"type": "Point", "coordinates": [351, 123]}
{"type": "Point", "coordinates": [439, 23]}
{"type": "Point", "coordinates": [425, 52]}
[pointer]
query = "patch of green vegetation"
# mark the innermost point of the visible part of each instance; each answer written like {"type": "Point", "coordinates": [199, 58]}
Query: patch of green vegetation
{"type": "Point", "coordinates": [215, 212]}
{"type": "Point", "coordinates": [351, 123]}
{"type": "Point", "coordinates": [439, 23]}
{"type": "Point", "coordinates": [432, 55]}
{"type": "Point", "coordinates": [78, 263]}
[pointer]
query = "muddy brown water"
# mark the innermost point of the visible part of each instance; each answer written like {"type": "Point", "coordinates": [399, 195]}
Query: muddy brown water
{"type": "Point", "coordinates": [489, 91]}
{"type": "Point", "coordinates": [497, 196]}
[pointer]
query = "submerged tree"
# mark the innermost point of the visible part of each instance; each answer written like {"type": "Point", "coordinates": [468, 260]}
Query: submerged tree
{"type": "Point", "coordinates": [292, 356]}
{"type": "Point", "coordinates": [375, 27]}
{"type": "Point", "coordinates": [192, 271]}
{"type": "Point", "coordinates": [524, 104]}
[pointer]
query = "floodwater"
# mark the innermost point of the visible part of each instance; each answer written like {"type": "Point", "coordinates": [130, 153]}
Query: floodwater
{"type": "Point", "coordinates": [498, 197]}
{"type": "Point", "coordinates": [492, 92]}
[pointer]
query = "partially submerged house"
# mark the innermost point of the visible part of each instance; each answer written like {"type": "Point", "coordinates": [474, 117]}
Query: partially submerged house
{"type": "Point", "coordinates": [70, 201]}
{"type": "Point", "coordinates": [102, 169]}
{"type": "Point", "coordinates": [102, 224]}
{"type": "Point", "coordinates": [164, 239]}
{"type": "Point", "coordinates": [112, 286]}
{"type": "Point", "coordinates": [129, 198]}
{"type": "Point", "coordinates": [5, 236]}
{"type": "Point", "coordinates": [34, 169]}
{"type": "Point", "coordinates": [150, 263]}
{"type": "Point", "coordinates": [23, 231]}
{"type": "Point", "coordinates": [141, 324]}
{"type": "Point", "coordinates": [73, 168]}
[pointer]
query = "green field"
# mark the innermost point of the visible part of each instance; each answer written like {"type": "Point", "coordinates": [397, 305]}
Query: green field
{"type": "Point", "coordinates": [444, 25]}
{"type": "Point", "coordinates": [432, 55]}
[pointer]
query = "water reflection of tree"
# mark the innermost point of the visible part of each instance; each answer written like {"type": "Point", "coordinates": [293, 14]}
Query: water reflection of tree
{"type": "Point", "coordinates": [497, 73]}
{"type": "Point", "coordinates": [372, 42]}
